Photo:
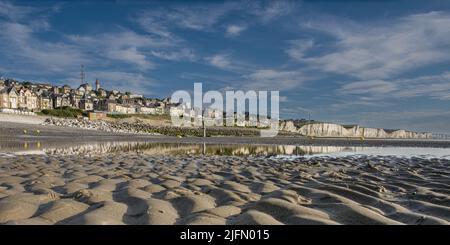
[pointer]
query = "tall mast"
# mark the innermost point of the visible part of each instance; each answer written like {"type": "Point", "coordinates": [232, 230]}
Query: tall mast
{"type": "Point", "coordinates": [82, 74]}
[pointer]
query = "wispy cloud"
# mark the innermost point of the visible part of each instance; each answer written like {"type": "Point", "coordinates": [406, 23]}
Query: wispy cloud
{"type": "Point", "coordinates": [379, 51]}
{"type": "Point", "coordinates": [125, 46]}
{"type": "Point", "coordinates": [25, 52]}
{"type": "Point", "coordinates": [270, 10]}
{"type": "Point", "coordinates": [199, 17]}
{"type": "Point", "coordinates": [15, 12]}
{"type": "Point", "coordinates": [432, 86]}
{"type": "Point", "coordinates": [163, 21]}
{"type": "Point", "coordinates": [234, 30]}
{"type": "Point", "coordinates": [99, 49]}
{"type": "Point", "coordinates": [21, 45]}
{"type": "Point", "coordinates": [130, 55]}
{"type": "Point", "coordinates": [183, 54]}
{"type": "Point", "coordinates": [277, 79]}
{"type": "Point", "coordinates": [298, 48]}
{"type": "Point", "coordinates": [368, 87]}
{"type": "Point", "coordinates": [220, 60]}
{"type": "Point", "coordinates": [344, 104]}
{"type": "Point", "coordinates": [226, 61]}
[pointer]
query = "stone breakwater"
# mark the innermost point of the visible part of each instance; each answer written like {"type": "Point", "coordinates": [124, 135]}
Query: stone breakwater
{"type": "Point", "coordinates": [139, 127]}
{"type": "Point", "coordinates": [150, 189]}
{"type": "Point", "coordinates": [94, 125]}
{"type": "Point", "coordinates": [336, 130]}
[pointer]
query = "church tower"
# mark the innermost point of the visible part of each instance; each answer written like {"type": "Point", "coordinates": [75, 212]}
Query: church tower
{"type": "Point", "coordinates": [97, 84]}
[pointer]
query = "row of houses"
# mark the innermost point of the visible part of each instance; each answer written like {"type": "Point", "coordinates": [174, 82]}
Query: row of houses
{"type": "Point", "coordinates": [25, 99]}
{"type": "Point", "coordinates": [32, 97]}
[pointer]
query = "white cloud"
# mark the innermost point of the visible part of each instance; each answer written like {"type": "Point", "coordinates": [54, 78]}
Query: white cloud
{"type": "Point", "coordinates": [21, 46]}
{"type": "Point", "coordinates": [36, 17]}
{"type": "Point", "coordinates": [197, 18]}
{"type": "Point", "coordinates": [383, 50]}
{"type": "Point", "coordinates": [151, 22]}
{"type": "Point", "coordinates": [271, 10]}
{"type": "Point", "coordinates": [284, 99]}
{"type": "Point", "coordinates": [26, 54]}
{"type": "Point", "coordinates": [298, 48]}
{"type": "Point", "coordinates": [200, 17]}
{"type": "Point", "coordinates": [130, 55]}
{"type": "Point", "coordinates": [368, 87]}
{"type": "Point", "coordinates": [225, 61]}
{"type": "Point", "coordinates": [433, 86]}
{"type": "Point", "coordinates": [234, 30]}
{"type": "Point", "coordinates": [205, 16]}
{"type": "Point", "coordinates": [220, 60]}
{"type": "Point", "coordinates": [183, 54]}
{"type": "Point", "coordinates": [277, 79]}
{"type": "Point", "coordinates": [121, 39]}
{"type": "Point", "coordinates": [124, 46]}
{"type": "Point", "coordinates": [14, 12]}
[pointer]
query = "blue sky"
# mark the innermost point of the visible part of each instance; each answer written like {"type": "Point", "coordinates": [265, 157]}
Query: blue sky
{"type": "Point", "coordinates": [378, 64]}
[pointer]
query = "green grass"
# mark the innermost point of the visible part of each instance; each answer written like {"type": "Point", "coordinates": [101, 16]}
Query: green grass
{"type": "Point", "coordinates": [65, 111]}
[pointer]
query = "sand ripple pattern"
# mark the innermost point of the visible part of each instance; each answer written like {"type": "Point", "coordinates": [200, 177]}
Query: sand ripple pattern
{"type": "Point", "coordinates": [149, 189]}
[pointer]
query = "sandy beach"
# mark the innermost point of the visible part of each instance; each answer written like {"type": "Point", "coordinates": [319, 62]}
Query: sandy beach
{"type": "Point", "coordinates": [150, 189]}
{"type": "Point", "coordinates": [115, 187]}
{"type": "Point", "coordinates": [23, 119]}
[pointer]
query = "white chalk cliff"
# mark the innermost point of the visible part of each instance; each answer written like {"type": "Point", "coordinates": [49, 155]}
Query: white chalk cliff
{"type": "Point", "coordinates": [337, 130]}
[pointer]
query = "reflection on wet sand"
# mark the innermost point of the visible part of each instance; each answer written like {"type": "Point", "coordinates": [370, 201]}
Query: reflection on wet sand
{"type": "Point", "coordinates": [102, 148]}
{"type": "Point", "coordinates": [172, 149]}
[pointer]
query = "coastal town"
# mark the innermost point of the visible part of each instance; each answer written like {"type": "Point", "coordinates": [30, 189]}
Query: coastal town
{"type": "Point", "coordinates": [27, 98]}
{"type": "Point", "coordinates": [95, 102]}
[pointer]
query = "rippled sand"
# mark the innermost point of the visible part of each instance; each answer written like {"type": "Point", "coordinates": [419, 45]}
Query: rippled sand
{"type": "Point", "coordinates": [145, 189]}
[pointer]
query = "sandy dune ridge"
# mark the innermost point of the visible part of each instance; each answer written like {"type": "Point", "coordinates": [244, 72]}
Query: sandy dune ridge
{"type": "Point", "coordinates": [147, 189]}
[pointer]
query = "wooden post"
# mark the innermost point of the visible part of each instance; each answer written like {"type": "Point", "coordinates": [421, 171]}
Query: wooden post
{"type": "Point", "coordinates": [203, 123]}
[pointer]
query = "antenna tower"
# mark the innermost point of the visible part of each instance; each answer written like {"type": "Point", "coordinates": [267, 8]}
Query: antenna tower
{"type": "Point", "coordinates": [82, 76]}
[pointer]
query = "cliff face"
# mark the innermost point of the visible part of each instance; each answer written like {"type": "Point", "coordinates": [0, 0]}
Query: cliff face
{"type": "Point", "coordinates": [336, 130]}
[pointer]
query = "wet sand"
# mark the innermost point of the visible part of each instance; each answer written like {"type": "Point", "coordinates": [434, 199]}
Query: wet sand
{"type": "Point", "coordinates": [149, 189]}
{"type": "Point", "coordinates": [137, 188]}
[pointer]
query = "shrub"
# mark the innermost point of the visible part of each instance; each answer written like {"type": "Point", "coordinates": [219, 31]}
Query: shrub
{"type": "Point", "coordinates": [118, 116]}
{"type": "Point", "coordinates": [65, 111]}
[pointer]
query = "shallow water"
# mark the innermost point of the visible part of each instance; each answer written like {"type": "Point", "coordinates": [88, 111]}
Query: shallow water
{"type": "Point", "coordinates": [279, 151]}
